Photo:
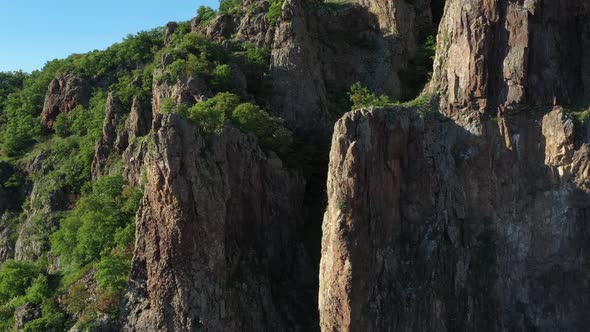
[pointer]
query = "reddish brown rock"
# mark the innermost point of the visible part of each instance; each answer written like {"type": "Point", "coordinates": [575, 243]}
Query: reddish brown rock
{"type": "Point", "coordinates": [503, 53]}
{"type": "Point", "coordinates": [65, 92]}
{"type": "Point", "coordinates": [448, 225]}
{"type": "Point", "coordinates": [217, 245]}
{"type": "Point", "coordinates": [111, 132]}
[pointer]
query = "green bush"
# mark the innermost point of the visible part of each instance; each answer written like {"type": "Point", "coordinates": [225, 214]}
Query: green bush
{"type": "Point", "coordinates": [113, 272]}
{"type": "Point", "coordinates": [39, 290]}
{"type": "Point", "coordinates": [230, 7]}
{"type": "Point", "coordinates": [206, 14]}
{"type": "Point", "coordinates": [211, 115]}
{"type": "Point", "coordinates": [16, 277]}
{"type": "Point", "coordinates": [62, 125]}
{"type": "Point", "coordinates": [254, 63]}
{"type": "Point", "coordinates": [275, 11]}
{"type": "Point", "coordinates": [270, 131]}
{"type": "Point", "coordinates": [221, 78]}
{"type": "Point", "coordinates": [52, 319]}
{"type": "Point", "coordinates": [10, 82]}
{"type": "Point", "coordinates": [361, 96]}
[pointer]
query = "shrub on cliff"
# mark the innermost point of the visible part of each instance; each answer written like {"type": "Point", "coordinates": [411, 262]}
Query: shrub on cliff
{"type": "Point", "coordinates": [270, 131]}
{"type": "Point", "coordinates": [230, 7]}
{"type": "Point", "coordinates": [361, 96]}
{"type": "Point", "coordinates": [211, 115]}
{"type": "Point", "coordinates": [226, 108]}
{"type": "Point", "coordinates": [275, 11]}
{"type": "Point", "coordinates": [205, 14]}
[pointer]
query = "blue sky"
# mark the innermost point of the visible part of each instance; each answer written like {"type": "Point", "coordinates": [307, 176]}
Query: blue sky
{"type": "Point", "coordinates": [33, 32]}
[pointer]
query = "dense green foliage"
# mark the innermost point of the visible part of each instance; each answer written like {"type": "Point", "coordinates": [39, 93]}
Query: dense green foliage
{"type": "Point", "coordinates": [96, 221]}
{"type": "Point", "coordinates": [205, 14]}
{"type": "Point", "coordinates": [192, 55]}
{"type": "Point", "coordinates": [10, 82]}
{"type": "Point", "coordinates": [20, 126]}
{"type": "Point", "coordinates": [97, 235]}
{"type": "Point", "coordinates": [16, 277]}
{"type": "Point", "coordinates": [230, 7]}
{"type": "Point", "coordinates": [226, 108]}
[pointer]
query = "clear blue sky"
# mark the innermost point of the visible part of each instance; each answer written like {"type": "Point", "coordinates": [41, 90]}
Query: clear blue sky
{"type": "Point", "coordinates": [33, 32]}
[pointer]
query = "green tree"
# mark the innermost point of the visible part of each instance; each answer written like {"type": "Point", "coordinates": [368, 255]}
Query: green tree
{"type": "Point", "coordinates": [221, 78]}
{"type": "Point", "coordinates": [89, 229]}
{"type": "Point", "coordinates": [16, 277]}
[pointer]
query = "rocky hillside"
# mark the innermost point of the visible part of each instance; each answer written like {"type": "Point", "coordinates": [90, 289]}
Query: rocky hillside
{"type": "Point", "coordinates": [176, 181]}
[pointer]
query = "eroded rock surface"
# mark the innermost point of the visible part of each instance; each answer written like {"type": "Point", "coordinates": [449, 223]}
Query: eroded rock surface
{"type": "Point", "coordinates": [439, 224]}
{"type": "Point", "coordinates": [217, 245]}
{"type": "Point", "coordinates": [65, 92]}
{"type": "Point", "coordinates": [503, 53]}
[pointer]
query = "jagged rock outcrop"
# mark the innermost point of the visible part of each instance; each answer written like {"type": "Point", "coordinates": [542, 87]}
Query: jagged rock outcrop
{"type": "Point", "coordinates": [504, 53]}
{"type": "Point", "coordinates": [406, 19]}
{"type": "Point", "coordinates": [170, 29]}
{"type": "Point", "coordinates": [254, 26]}
{"type": "Point", "coordinates": [184, 90]}
{"type": "Point", "coordinates": [65, 92]}
{"type": "Point", "coordinates": [455, 224]}
{"type": "Point", "coordinates": [217, 245]}
{"type": "Point", "coordinates": [114, 138]}
{"type": "Point", "coordinates": [6, 237]}
{"type": "Point", "coordinates": [137, 126]}
{"type": "Point", "coordinates": [26, 313]}
{"type": "Point", "coordinates": [140, 119]}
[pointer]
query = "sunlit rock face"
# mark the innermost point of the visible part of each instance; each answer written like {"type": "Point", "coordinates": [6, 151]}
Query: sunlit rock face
{"type": "Point", "coordinates": [471, 213]}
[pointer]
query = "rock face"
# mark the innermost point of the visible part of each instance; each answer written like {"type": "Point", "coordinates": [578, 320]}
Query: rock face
{"type": "Point", "coordinates": [113, 139]}
{"type": "Point", "coordinates": [6, 238]}
{"type": "Point", "coordinates": [465, 221]}
{"type": "Point", "coordinates": [320, 49]}
{"type": "Point", "coordinates": [495, 54]}
{"type": "Point", "coordinates": [65, 92]}
{"type": "Point", "coordinates": [185, 90]}
{"type": "Point", "coordinates": [438, 225]}
{"type": "Point", "coordinates": [217, 245]}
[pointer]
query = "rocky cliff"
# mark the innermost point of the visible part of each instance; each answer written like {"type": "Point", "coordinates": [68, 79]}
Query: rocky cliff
{"type": "Point", "coordinates": [470, 214]}
{"type": "Point", "coordinates": [465, 209]}
{"type": "Point", "coordinates": [218, 245]}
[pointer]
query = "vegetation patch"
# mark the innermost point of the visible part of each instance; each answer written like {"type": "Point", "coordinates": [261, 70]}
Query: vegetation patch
{"type": "Point", "coordinates": [226, 108]}
{"type": "Point", "coordinates": [275, 11]}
